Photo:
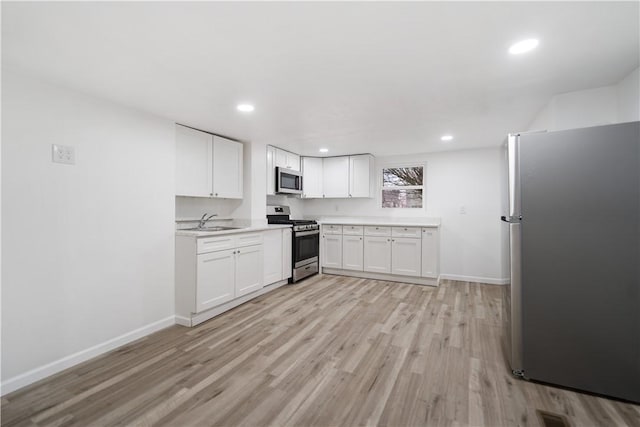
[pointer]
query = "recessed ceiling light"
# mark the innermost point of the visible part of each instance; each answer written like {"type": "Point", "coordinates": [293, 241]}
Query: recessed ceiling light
{"type": "Point", "coordinates": [446, 137]}
{"type": "Point", "coordinates": [324, 150]}
{"type": "Point", "coordinates": [245, 108]}
{"type": "Point", "coordinates": [523, 46]}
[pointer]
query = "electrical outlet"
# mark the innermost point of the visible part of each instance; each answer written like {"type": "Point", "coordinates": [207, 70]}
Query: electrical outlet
{"type": "Point", "coordinates": [63, 154]}
{"type": "Point", "coordinates": [463, 210]}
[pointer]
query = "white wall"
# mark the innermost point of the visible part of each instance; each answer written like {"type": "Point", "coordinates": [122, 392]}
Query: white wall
{"type": "Point", "coordinates": [470, 244]}
{"type": "Point", "coordinates": [88, 249]}
{"type": "Point", "coordinates": [592, 107]}
{"type": "Point", "coordinates": [296, 204]}
{"type": "Point", "coordinates": [195, 207]}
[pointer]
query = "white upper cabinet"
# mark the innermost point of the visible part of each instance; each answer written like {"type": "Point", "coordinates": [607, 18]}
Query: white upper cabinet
{"type": "Point", "coordinates": [193, 162]}
{"type": "Point", "coordinates": [335, 176]}
{"type": "Point", "coordinates": [271, 170]}
{"type": "Point", "coordinates": [286, 159]}
{"type": "Point", "coordinates": [207, 165]}
{"type": "Point", "coordinates": [312, 177]}
{"type": "Point", "coordinates": [361, 176]}
{"type": "Point", "coordinates": [227, 168]}
{"type": "Point", "coordinates": [338, 177]}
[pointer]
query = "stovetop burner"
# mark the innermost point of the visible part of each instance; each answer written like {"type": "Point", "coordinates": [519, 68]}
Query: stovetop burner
{"type": "Point", "coordinates": [280, 215]}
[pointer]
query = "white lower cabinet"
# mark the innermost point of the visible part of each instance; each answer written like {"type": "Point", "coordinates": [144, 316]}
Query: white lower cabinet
{"type": "Point", "coordinates": [224, 275]}
{"type": "Point", "coordinates": [215, 279]}
{"type": "Point", "coordinates": [352, 253]}
{"type": "Point", "coordinates": [430, 258]}
{"type": "Point", "coordinates": [377, 254]}
{"type": "Point", "coordinates": [276, 255]}
{"type": "Point", "coordinates": [248, 265]}
{"type": "Point", "coordinates": [406, 256]}
{"type": "Point", "coordinates": [332, 251]}
{"type": "Point", "coordinates": [216, 273]}
{"type": "Point", "coordinates": [273, 256]}
{"type": "Point", "coordinates": [287, 248]}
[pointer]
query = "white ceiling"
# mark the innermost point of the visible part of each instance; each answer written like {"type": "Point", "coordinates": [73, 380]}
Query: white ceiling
{"type": "Point", "coordinates": [386, 78]}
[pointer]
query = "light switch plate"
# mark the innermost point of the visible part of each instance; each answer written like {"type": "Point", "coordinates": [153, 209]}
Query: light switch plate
{"type": "Point", "coordinates": [63, 154]}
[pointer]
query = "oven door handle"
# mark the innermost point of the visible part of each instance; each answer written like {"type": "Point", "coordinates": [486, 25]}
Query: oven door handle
{"type": "Point", "coordinates": [306, 233]}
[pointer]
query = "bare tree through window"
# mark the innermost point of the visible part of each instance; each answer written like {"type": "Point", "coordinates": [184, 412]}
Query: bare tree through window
{"type": "Point", "coordinates": [402, 187]}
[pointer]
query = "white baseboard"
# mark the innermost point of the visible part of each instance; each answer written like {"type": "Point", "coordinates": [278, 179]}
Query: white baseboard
{"type": "Point", "coordinates": [477, 279]}
{"type": "Point", "coordinates": [428, 281]}
{"type": "Point", "coordinates": [54, 367]}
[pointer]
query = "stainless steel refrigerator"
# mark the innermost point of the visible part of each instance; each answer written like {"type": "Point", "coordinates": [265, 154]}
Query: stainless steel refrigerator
{"type": "Point", "coordinates": [572, 310]}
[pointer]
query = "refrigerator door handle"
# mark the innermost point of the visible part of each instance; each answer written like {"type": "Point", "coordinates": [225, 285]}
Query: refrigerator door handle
{"type": "Point", "coordinates": [511, 219]}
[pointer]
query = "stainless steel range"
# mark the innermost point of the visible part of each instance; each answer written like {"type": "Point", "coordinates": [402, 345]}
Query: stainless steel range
{"type": "Point", "coordinates": [306, 241]}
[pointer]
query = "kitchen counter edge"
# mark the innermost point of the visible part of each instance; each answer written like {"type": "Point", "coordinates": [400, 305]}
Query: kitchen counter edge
{"type": "Point", "coordinates": [193, 233]}
{"type": "Point", "coordinates": [356, 221]}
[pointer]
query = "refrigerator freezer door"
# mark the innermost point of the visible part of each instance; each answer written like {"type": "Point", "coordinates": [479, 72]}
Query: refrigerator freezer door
{"type": "Point", "coordinates": [581, 258]}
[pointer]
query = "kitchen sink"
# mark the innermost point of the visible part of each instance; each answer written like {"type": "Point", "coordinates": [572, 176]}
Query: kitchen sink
{"type": "Point", "coordinates": [215, 228]}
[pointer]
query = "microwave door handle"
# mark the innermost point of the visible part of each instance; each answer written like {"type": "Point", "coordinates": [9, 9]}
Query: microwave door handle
{"type": "Point", "coordinates": [300, 183]}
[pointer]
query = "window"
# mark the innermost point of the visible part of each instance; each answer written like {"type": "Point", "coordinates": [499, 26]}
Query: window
{"type": "Point", "coordinates": [402, 187]}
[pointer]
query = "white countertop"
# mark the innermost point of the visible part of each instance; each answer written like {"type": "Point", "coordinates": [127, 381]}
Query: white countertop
{"type": "Point", "coordinates": [240, 229]}
{"type": "Point", "coordinates": [400, 222]}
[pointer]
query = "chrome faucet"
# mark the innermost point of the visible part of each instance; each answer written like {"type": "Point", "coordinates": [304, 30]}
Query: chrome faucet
{"type": "Point", "coordinates": [204, 219]}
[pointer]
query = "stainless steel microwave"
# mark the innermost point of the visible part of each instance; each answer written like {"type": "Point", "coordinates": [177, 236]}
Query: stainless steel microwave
{"type": "Point", "coordinates": [288, 181]}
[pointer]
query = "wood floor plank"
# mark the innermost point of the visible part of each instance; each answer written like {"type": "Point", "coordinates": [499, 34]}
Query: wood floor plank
{"type": "Point", "coordinates": [329, 351]}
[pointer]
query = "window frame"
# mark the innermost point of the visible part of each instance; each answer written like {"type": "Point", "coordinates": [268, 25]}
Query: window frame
{"type": "Point", "coordinates": [422, 187]}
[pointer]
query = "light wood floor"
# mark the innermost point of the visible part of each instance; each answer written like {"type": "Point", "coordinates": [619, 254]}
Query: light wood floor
{"type": "Point", "coordinates": [331, 351]}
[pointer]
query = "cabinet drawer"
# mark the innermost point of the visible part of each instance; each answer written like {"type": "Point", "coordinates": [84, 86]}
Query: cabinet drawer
{"type": "Point", "coordinates": [218, 243]}
{"type": "Point", "coordinates": [405, 232]}
{"type": "Point", "coordinates": [352, 230]}
{"type": "Point", "coordinates": [332, 229]}
{"type": "Point", "coordinates": [375, 230]}
{"type": "Point", "coordinates": [248, 239]}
